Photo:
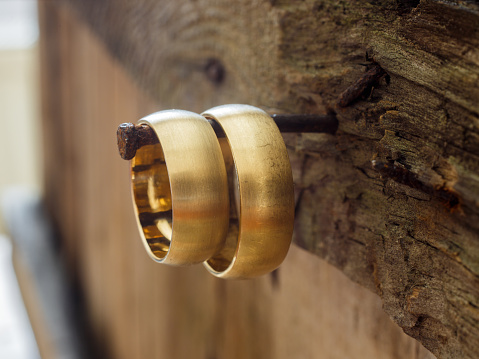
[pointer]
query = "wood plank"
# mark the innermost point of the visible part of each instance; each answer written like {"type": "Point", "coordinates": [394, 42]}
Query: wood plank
{"type": "Point", "coordinates": [408, 231]}
{"type": "Point", "coordinates": [139, 309]}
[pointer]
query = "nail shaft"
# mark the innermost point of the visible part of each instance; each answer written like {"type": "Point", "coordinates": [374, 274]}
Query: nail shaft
{"type": "Point", "coordinates": [353, 92]}
{"type": "Point", "coordinates": [130, 137]}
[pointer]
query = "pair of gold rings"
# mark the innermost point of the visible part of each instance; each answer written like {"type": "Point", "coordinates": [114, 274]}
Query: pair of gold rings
{"type": "Point", "coordinates": [225, 201]}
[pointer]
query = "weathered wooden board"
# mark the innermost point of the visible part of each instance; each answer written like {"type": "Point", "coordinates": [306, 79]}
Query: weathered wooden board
{"type": "Point", "coordinates": [406, 228]}
{"type": "Point", "coordinates": [139, 309]}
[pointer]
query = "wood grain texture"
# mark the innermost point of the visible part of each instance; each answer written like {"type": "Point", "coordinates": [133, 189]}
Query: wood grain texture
{"type": "Point", "coordinates": [392, 231]}
{"type": "Point", "coordinates": [139, 309]}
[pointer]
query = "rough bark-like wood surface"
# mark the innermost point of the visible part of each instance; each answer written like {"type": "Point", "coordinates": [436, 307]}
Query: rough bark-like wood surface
{"type": "Point", "coordinates": [140, 309]}
{"type": "Point", "coordinates": [393, 199]}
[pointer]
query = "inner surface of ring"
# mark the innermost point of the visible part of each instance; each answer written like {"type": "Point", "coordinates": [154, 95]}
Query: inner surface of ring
{"type": "Point", "coordinates": [222, 260]}
{"type": "Point", "coordinates": [152, 197]}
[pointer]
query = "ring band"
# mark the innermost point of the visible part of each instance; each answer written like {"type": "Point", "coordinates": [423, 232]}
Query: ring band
{"type": "Point", "coordinates": [263, 193]}
{"type": "Point", "coordinates": [180, 189]}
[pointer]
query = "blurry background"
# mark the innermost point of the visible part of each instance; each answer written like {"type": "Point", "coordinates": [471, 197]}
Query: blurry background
{"type": "Point", "coordinates": [20, 163]}
{"type": "Point", "coordinates": [19, 94]}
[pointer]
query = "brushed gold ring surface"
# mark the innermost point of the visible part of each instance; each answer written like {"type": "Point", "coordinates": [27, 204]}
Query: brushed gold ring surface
{"type": "Point", "coordinates": [262, 188]}
{"type": "Point", "coordinates": [180, 189]}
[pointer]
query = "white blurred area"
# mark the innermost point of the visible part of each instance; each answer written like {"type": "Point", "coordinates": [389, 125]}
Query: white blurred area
{"type": "Point", "coordinates": [19, 100]}
{"type": "Point", "coordinates": [19, 156]}
{"type": "Point", "coordinates": [18, 24]}
{"type": "Point", "coordinates": [16, 335]}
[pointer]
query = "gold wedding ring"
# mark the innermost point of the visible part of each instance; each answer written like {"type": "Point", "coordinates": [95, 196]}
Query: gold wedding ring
{"type": "Point", "coordinates": [259, 239]}
{"type": "Point", "coordinates": [180, 189]}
